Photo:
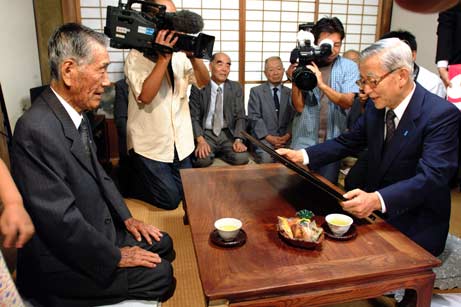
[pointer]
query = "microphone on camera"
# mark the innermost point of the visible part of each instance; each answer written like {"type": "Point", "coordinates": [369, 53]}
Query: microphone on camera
{"type": "Point", "coordinates": [304, 37]}
{"type": "Point", "coordinates": [184, 21]}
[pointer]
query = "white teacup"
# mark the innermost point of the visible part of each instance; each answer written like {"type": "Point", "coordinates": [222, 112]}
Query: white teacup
{"type": "Point", "coordinates": [339, 223]}
{"type": "Point", "coordinates": [228, 228]}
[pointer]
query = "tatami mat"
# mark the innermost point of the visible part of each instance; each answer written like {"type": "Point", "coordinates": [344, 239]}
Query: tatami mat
{"type": "Point", "coordinates": [188, 289]}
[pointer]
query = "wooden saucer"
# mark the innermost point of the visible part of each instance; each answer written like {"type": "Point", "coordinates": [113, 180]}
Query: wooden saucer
{"type": "Point", "coordinates": [239, 240]}
{"type": "Point", "coordinates": [350, 234]}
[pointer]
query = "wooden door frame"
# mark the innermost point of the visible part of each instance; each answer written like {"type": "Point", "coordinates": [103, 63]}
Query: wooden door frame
{"type": "Point", "coordinates": [49, 14]}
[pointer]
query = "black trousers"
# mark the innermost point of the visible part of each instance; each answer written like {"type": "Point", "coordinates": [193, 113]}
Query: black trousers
{"type": "Point", "coordinates": [73, 289]}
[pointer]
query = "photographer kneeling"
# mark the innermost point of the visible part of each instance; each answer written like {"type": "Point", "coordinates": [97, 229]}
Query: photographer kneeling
{"type": "Point", "coordinates": [159, 129]}
{"type": "Point", "coordinates": [322, 112]}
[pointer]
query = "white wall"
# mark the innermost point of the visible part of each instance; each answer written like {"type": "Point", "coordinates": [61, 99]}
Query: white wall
{"type": "Point", "coordinates": [19, 63]}
{"type": "Point", "coordinates": [424, 28]}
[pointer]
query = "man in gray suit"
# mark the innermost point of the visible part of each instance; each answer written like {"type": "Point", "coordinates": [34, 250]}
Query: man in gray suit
{"type": "Point", "coordinates": [218, 117]}
{"type": "Point", "coordinates": [88, 250]}
{"type": "Point", "coordinates": [270, 110]}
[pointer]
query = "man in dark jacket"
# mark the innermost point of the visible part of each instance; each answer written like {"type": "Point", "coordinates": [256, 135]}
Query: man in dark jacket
{"type": "Point", "coordinates": [88, 250]}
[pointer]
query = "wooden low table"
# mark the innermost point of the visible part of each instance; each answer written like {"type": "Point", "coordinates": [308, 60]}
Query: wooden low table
{"type": "Point", "coordinates": [265, 271]}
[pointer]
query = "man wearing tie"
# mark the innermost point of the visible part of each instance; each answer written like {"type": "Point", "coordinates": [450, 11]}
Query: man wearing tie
{"type": "Point", "coordinates": [218, 117]}
{"type": "Point", "coordinates": [88, 250]}
{"type": "Point", "coordinates": [270, 110]}
{"type": "Point", "coordinates": [412, 139]}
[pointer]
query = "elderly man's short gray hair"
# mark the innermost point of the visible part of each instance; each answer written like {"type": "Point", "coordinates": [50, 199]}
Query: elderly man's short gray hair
{"type": "Point", "coordinates": [73, 41]}
{"type": "Point", "coordinates": [393, 53]}
{"type": "Point", "coordinates": [272, 58]}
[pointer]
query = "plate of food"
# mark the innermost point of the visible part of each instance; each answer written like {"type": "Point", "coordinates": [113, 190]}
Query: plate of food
{"type": "Point", "coordinates": [303, 231]}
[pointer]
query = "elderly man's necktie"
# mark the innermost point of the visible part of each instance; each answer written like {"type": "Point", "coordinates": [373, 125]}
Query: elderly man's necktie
{"type": "Point", "coordinates": [85, 136]}
{"type": "Point", "coordinates": [276, 100]}
{"type": "Point", "coordinates": [218, 113]}
{"type": "Point", "coordinates": [390, 126]}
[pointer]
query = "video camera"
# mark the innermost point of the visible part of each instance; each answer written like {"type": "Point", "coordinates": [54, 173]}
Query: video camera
{"type": "Point", "coordinates": [307, 52]}
{"type": "Point", "coordinates": [128, 28]}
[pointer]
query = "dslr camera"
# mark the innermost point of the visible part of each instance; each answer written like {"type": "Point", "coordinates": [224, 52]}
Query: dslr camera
{"type": "Point", "coordinates": [305, 53]}
{"type": "Point", "coordinates": [131, 29]}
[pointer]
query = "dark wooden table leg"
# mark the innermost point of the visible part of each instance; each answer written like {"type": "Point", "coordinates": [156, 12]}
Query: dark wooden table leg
{"type": "Point", "coordinates": [185, 218]}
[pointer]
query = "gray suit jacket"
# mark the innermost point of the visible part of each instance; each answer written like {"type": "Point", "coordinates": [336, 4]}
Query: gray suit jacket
{"type": "Point", "coordinates": [76, 208]}
{"type": "Point", "coordinates": [262, 115]}
{"type": "Point", "coordinates": [233, 108]}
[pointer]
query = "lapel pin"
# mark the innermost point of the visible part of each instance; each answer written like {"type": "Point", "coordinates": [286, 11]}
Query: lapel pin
{"type": "Point", "coordinates": [405, 133]}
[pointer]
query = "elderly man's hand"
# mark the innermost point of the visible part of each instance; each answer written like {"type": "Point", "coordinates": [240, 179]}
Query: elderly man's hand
{"type": "Point", "coordinates": [273, 140]}
{"type": "Point", "coordinates": [360, 203]}
{"type": "Point", "coordinates": [136, 256]}
{"type": "Point", "coordinates": [295, 156]}
{"type": "Point", "coordinates": [238, 146]}
{"type": "Point", "coordinates": [203, 149]}
{"type": "Point", "coordinates": [16, 226]}
{"type": "Point", "coordinates": [138, 229]}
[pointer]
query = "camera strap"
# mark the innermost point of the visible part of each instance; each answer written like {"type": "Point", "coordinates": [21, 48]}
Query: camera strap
{"type": "Point", "coordinates": [163, 49]}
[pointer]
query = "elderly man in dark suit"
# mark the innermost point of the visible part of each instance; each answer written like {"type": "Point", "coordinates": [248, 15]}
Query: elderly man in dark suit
{"type": "Point", "coordinates": [412, 138]}
{"type": "Point", "coordinates": [270, 110]}
{"type": "Point", "coordinates": [88, 250]}
{"type": "Point", "coordinates": [218, 117]}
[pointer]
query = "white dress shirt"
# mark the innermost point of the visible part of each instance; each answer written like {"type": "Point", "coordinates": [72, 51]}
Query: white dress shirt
{"type": "Point", "coordinates": [74, 115]}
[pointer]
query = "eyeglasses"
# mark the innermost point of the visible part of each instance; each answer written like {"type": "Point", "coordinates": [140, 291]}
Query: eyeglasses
{"type": "Point", "coordinates": [373, 83]}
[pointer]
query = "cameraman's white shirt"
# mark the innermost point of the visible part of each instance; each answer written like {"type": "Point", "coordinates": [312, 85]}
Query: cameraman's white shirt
{"type": "Point", "coordinates": [154, 129]}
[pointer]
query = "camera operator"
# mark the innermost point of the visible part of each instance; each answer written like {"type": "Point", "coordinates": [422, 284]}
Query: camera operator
{"type": "Point", "coordinates": [159, 129]}
{"type": "Point", "coordinates": [322, 112]}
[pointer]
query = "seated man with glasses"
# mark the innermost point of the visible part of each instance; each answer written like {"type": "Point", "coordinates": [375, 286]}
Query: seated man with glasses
{"type": "Point", "coordinates": [412, 139]}
{"type": "Point", "coordinates": [430, 81]}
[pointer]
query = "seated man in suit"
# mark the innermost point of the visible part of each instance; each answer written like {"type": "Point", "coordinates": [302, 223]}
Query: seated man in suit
{"type": "Point", "coordinates": [356, 177]}
{"type": "Point", "coordinates": [412, 139]}
{"type": "Point", "coordinates": [88, 250]}
{"type": "Point", "coordinates": [218, 117]}
{"type": "Point", "coordinates": [270, 110]}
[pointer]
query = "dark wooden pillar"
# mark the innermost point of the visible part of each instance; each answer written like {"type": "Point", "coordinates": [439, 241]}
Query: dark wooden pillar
{"type": "Point", "coordinates": [48, 15]}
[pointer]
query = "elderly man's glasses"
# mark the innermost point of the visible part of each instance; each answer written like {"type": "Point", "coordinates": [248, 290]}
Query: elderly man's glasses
{"type": "Point", "coordinates": [373, 83]}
